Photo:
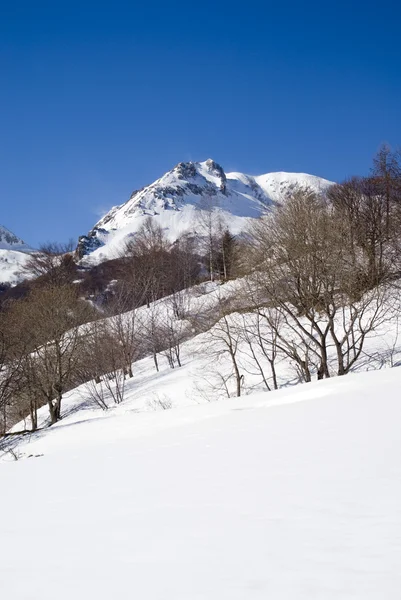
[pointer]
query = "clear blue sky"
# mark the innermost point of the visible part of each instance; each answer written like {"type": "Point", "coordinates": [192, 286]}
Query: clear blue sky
{"type": "Point", "coordinates": [100, 98]}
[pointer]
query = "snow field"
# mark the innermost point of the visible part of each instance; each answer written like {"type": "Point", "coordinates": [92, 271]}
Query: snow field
{"type": "Point", "coordinates": [291, 495]}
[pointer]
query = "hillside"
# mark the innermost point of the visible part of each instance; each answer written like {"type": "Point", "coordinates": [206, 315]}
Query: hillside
{"type": "Point", "coordinates": [175, 199]}
{"type": "Point", "coordinates": [293, 494]}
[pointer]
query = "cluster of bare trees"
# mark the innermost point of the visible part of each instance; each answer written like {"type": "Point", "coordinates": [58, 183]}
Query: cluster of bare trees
{"type": "Point", "coordinates": [219, 248]}
{"type": "Point", "coordinates": [53, 339]}
{"type": "Point", "coordinates": [324, 265]}
{"type": "Point", "coordinates": [153, 267]}
{"type": "Point", "coordinates": [42, 343]}
{"type": "Point", "coordinates": [322, 275]}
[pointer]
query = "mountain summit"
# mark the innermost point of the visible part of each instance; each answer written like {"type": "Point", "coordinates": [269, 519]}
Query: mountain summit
{"type": "Point", "coordinates": [174, 199]}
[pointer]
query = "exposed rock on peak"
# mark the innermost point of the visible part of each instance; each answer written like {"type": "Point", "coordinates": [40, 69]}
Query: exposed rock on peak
{"type": "Point", "coordinates": [174, 199]}
{"type": "Point", "coordinates": [185, 170]}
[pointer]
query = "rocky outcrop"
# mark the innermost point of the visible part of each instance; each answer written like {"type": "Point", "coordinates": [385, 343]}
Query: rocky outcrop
{"type": "Point", "coordinates": [89, 243]}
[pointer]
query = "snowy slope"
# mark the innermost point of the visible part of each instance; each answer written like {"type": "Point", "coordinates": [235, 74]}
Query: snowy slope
{"type": "Point", "coordinates": [11, 266]}
{"type": "Point", "coordinates": [291, 495]}
{"type": "Point", "coordinates": [13, 256]}
{"type": "Point", "coordinates": [174, 201]}
{"type": "Point", "coordinates": [206, 364]}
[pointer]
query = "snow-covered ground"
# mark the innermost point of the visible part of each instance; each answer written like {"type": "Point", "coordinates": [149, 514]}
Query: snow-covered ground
{"type": "Point", "coordinates": [294, 494]}
{"type": "Point", "coordinates": [12, 263]}
{"type": "Point", "coordinates": [14, 254]}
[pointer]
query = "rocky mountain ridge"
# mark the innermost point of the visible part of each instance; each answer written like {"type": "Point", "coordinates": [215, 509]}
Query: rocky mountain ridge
{"type": "Point", "coordinates": [175, 199]}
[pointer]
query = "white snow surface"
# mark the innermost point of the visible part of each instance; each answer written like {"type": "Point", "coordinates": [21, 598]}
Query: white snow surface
{"type": "Point", "coordinates": [294, 494]}
{"type": "Point", "coordinates": [174, 202]}
{"type": "Point", "coordinates": [13, 256]}
{"type": "Point", "coordinates": [290, 495]}
{"type": "Point", "coordinates": [12, 263]}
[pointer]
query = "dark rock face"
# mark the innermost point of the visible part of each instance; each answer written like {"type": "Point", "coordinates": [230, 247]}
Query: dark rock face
{"type": "Point", "coordinates": [167, 191]}
{"type": "Point", "coordinates": [185, 170]}
{"type": "Point", "coordinates": [89, 243]}
{"type": "Point", "coordinates": [8, 239]}
{"type": "Point", "coordinates": [215, 169]}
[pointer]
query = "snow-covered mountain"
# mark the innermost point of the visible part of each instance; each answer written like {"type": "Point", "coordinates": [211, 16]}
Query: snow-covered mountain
{"type": "Point", "coordinates": [174, 201]}
{"type": "Point", "coordinates": [14, 253]}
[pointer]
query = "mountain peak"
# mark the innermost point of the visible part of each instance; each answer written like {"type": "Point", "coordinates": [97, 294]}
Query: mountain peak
{"type": "Point", "coordinates": [174, 199]}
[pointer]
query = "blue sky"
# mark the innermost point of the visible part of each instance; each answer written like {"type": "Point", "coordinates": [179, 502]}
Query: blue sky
{"type": "Point", "coordinates": [100, 98]}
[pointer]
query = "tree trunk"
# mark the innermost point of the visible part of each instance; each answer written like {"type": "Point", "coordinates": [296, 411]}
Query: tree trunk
{"type": "Point", "coordinates": [33, 410]}
{"type": "Point", "coordinates": [155, 361]}
{"type": "Point", "coordinates": [53, 418]}
{"type": "Point", "coordinates": [274, 374]}
{"type": "Point", "coordinates": [57, 406]}
{"type": "Point", "coordinates": [237, 374]}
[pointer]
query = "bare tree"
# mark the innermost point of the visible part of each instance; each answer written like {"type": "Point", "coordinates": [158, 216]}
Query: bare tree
{"type": "Point", "coordinates": [102, 367]}
{"type": "Point", "coordinates": [123, 326]}
{"type": "Point", "coordinates": [224, 339]}
{"type": "Point", "coordinates": [212, 230]}
{"type": "Point", "coordinates": [386, 174]}
{"type": "Point", "coordinates": [53, 263]}
{"type": "Point", "coordinates": [147, 262]}
{"type": "Point", "coordinates": [51, 317]}
{"type": "Point", "coordinates": [304, 265]}
{"type": "Point", "coordinates": [152, 327]}
{"type": "Point", "coordinates": [11, 355]}
{"type": "Point", "coordinates": [173, 332]}
{"type": "Point", "coordinates": [260, 337]}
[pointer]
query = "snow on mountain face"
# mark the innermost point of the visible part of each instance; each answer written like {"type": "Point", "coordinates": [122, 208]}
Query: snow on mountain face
{"type": "Point", "coordinates": [13, 256]}
{"type": "Point", "coordinates": [12, 264]}
{"type": "Point", "coordinates": [9, 241]}
{"type": "Point", "coordinates": [174, 201]}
